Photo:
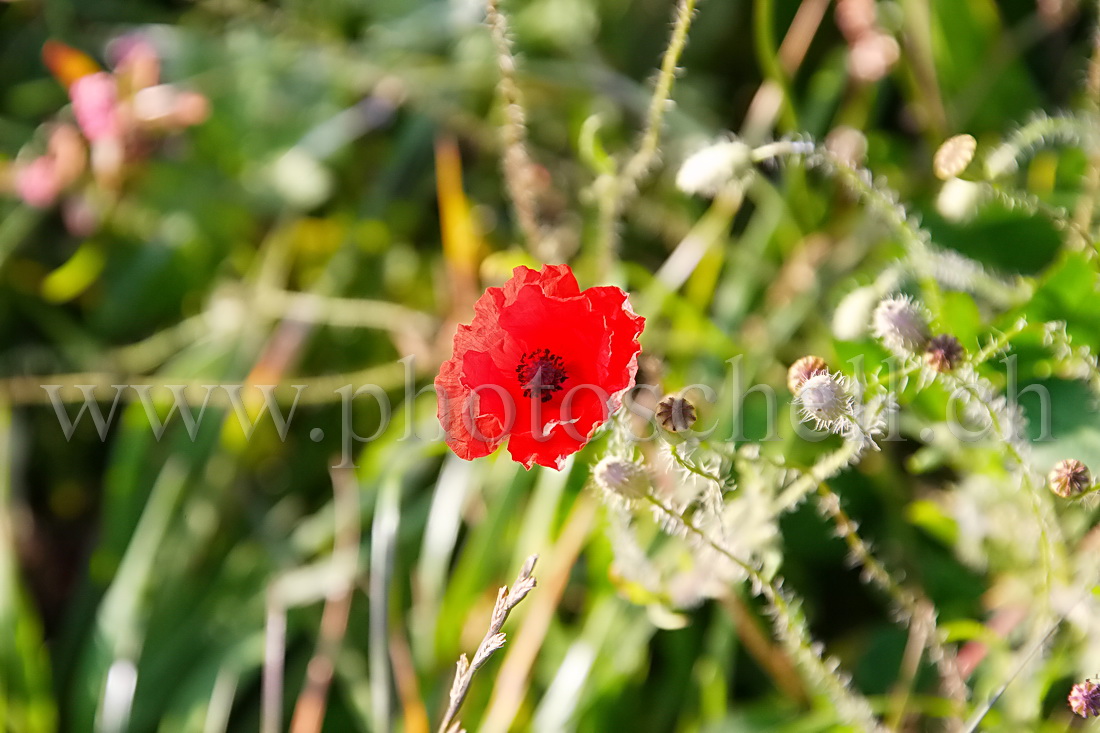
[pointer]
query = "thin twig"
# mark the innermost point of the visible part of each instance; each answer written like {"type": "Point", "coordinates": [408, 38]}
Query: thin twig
{"type": "Point", "coordinates": [514, 675]}
{"type": "Point", "coordinates": [616, 191]}
{"type": "Point", "coordinates": [519, 171]}
{"type": "Point", "coordinates": [692, 468]}
{"type": "Point", "coordinates": [772, 658]}
{"type": "Point", "coordinates": [107, 387]}
{"type": "Point", "coordinates": [915, 609]}
{"type": "Point", "coordinates": [919, 635]}
{"type": "Point", "coordinates": [383, 550]}
{"type": "Point", "coordinates": [975, 720]}
{"type": "Point", "coordinates": [1083, 217]}
{"type": "Point", "coordinates": [309, 712]}
{"type": "Point", "coordinates": [790, 625]}
{"type": "Point", "coordinates": [271, 688]}
{"type": "Point", "coordinates": [642, 160]}
{"type": "Point", "coordinates": [343, 312]}
{"type": "Point", "coordinates": [494, 639]}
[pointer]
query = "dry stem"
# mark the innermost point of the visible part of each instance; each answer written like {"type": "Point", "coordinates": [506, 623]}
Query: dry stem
{"type": "Point", "coordinates": [494, 639]}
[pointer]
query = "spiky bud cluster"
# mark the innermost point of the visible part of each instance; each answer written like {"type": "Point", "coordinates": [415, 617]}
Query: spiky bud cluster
{"type": "Point", "coordinates": [944, 353]}
{"type": "Point", "coordinates": [1084, 699]}
{"type": "Point", "coordinates": [825, 400]}
{"type": "Point", "coordinates": [901, 325]}
{"type": "Point", "coordinates": [676, 414]}
{"type": "Point", "coordinates": [622, 478]}
{"type": "Point", "coordinates": [711, 169]}
{"type": "Point", "coordinates": [1069, 478]}
{"type": "Point", "coordinates": [953, 156]}
{"type": "Point", "coordinates": [802, 370]}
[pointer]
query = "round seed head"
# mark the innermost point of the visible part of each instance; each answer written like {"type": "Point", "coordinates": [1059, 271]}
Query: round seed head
{"type": "Point", "coordinates": [623, 478]}
{"type": "Point", "coordinates": [959, 200]}
{"type": "Point", "coordinates": [802, 370]}
{"type": "Point", "coordinates": [709, 170]}
{"type": "Point", "coordinates": [823, 399]}
{"type": "Point", "coordinates": [853, 313]}
{"type": "Point", "coordinates": [1069, 478]}
{"type": "Point", "coordinates": [676, 414]}
{"type": "Point", "coordinates": [901, 325]}
{"type": "Point", "coordinates": [848, 144]}
{"type": "Point", "coordinates": [944, 353]}
{"type": "Point", "coordinates": [1084, 699]}
{"type": "Point", "coordinates": [953, 156]}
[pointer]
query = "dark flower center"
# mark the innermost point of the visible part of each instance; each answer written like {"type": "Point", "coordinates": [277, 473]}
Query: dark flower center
{"type": "Point", "coordinates": [540, 373]}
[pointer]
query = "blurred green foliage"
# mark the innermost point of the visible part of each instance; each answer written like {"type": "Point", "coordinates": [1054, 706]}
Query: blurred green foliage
{"type": "Point", "coordinates": [316, 173]}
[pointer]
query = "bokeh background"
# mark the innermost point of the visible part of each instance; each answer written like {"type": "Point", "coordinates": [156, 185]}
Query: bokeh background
{"type": "Point", "coordinates": [337, 210]}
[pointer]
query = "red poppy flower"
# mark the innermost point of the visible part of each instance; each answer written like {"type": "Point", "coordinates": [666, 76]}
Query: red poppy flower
{"type": "Point", "coordinates": [542, 365]}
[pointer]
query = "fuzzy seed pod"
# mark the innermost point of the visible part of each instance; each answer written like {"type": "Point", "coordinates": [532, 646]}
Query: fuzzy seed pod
{"type": "Point", "coordinates": [944, 353]}
{"type": "Point", "coordinates": [675, 414]}
{"type": "Point", "coordinates": [1069, 478]}
{"type": "Point", "coordinates": [853, 313]}
{"type": "Point", "coordinates": [824, 400]}
{"type": "Point", "coordinates": [1084, 699]}
{"type": "Point", "coordinates": [622, 478]}
{"type": "Point", "coordinates": [953, 156]}
{"type": "Point", "coordinates": [802, 370]}
{"type": "Point", "coordinates": [711, 169]}
{"type": "Point", "coordinates": [958, 200]}
{"type": "Point", "coordinates": [901, 325]}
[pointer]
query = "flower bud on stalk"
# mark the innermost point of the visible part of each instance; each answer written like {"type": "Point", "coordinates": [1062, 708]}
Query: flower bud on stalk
{"type": "Point", "coordinates": [901, 325]}
{"type": "Point", "coordinates": [622, 478]}
{"type": "Point", "coordinates": [824, 400]}
{"type": "Point", "coordinates": [802, 370]}
{"type": "Point", "coordinates": [1084, 699]}
{"type": "Point", "coordinates": [676, 414]}
{"type": "Point", "coordinates": [944, 353]}
{"type": "Point", "coordinates": [711, 169]}
{"type": "Point", "coordinates": [853, 313]}
{"type": "Point", "coordinates": [953, 156]}
{"type": "Point", "coordinates": [1069, 478]}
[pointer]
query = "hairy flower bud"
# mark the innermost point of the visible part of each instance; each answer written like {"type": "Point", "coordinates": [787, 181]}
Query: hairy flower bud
{"type": "Point", "coordinates": [853, 313]}
{"type": "Point", "coordinates": [676, 414]}
{"type": "Point", "coordinates": [901, 325]}
{"type": "Point", "coordinates": [824, 400]}
{"type": "Point", "coordinates": [953, 156]}
{"type": "Point", "coordinates": [802, 370]}
{"type": "Point", "coordinates": [944, 353]}
{"type": "Point", "coordinates": [622, 478]}
{"type": "Point", "coordinates": [1084, 699]}
{"type": "Point", "coordinates": [959, 199]}
{"type": "Point", "coordinates": [1069, 478]}
{"type": "Point", "coordinates": [709, 170]}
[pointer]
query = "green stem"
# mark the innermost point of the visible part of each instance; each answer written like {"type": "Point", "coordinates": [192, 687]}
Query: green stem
{"type": "Point", "coordinates": [790, 627]}
{"type": "Point", "coordinates": [692, 468]}
{"type": "Point", "coordinates": [616, 191]}
{"type": "Point", "coordinates": [640, 163]}
{"type": "Point", "coordinates": [767, 53]}
{"type": "Point", "coordinates": [15, 228]}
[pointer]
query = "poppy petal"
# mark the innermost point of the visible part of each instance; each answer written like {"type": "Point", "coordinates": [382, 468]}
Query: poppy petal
{"type": "Point", "coordinates": [543, 364]}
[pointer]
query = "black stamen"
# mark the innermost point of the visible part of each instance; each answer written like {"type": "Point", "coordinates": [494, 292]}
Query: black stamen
{"type": "Point", "coordinates": [542, 373]}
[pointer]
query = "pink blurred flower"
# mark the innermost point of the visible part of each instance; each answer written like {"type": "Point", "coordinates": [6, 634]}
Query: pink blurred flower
{"type": "Point", "coordinates": [69, 153]}
{"type": "Point", "coordinates": [1084, 699]}
{"type": "Point", "coordinates": [120, 113]}
{"type": "Point", "coordinates": [95, 104]}
{"type": "Point", "coordinates": [165, 107]}
{"type": "Point", "coordinates": [80, 215]}
{"type": "Point", "coordinates": [36, 182]}
{"type": "Point", "coordinates": [192, 108]}
{"type": "Point", "coordinates": [136, 63]}
{"type": "Point", "coordinates": [41, 180]}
